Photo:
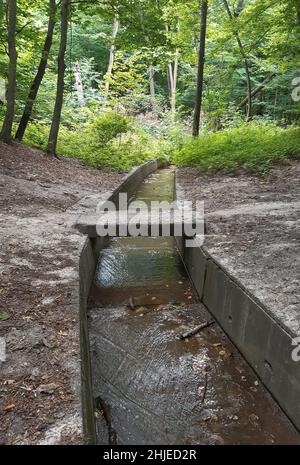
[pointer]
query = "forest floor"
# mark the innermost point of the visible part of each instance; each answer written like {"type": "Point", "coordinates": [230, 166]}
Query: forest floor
{"type": "Point", "coordinates": [253, 230]}
{"type": "Point", "coordinates": [40, 198]}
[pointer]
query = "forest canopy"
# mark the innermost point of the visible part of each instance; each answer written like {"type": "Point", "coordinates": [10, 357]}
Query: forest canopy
{"type": "Point", "coordinates": [119, 82]}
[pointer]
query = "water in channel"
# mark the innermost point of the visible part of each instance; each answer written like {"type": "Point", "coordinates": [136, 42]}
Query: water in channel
{"type": "Point", "coordinates": [151, 387]}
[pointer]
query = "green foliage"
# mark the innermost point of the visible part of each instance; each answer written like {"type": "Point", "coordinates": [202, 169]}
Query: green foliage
{"type": "Point", "coordinates": [106, 127]}
{"type": "Point", "coordinates": [107, 141]}
{"type": "Point", "coordinates": [153, 33]}
{"type": "Point", "coordinates": [250, 147]}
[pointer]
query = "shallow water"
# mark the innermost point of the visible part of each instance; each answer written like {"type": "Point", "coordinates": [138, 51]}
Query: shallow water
{"type": "Point", "coordinates": [150, 387]}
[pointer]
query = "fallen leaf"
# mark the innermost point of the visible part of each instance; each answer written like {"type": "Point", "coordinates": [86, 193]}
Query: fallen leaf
{"type": "Point", "coordinates": [47, 388]}
{"type": "Point", "coordinates": [212, 419]}
{"type": "Point", "coordinates": [9, 406]}
{"type": "Point", "coordinates": [4, 316]}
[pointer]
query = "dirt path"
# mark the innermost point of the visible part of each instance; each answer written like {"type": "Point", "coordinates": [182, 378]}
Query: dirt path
{"type": "Point", "coordinates": [39, 201]}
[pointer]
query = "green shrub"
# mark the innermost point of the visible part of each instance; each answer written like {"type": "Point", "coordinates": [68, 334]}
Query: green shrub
{"type": "Point", "coordinates": [107, 126]}
{"type": "Point", "coordinates": [37, 134]}
{"type": "Point", "coordinates": [252, 147]}
{"type": "Point", "coordinates": [107, 141]}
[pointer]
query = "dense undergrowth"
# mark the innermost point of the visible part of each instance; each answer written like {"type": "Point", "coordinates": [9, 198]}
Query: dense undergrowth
{"type": "Point", "coordinates": [113, 141]}
{"type": "Point", "coordinates": [110, 141]}
{"type": "Point", "coordinates": [253, 148]}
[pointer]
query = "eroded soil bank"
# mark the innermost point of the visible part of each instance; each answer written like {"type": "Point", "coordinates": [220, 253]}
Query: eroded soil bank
{"type": "Point", "coordinates": [40, 377]}
{"type": "Point", "coordinates": [150, 386]}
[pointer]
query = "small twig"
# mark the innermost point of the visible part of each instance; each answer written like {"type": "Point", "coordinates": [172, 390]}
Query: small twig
{"type": "Point", "coordinates": [23, 27]}
{"type": "Point", "coordinates": [196, 330]}
{"type": "Point", "coordinates": [105, 409]}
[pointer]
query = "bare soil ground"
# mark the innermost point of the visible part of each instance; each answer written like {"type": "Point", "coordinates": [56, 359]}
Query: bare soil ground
{"type": "Point", "coordinates": [40, 199]}
{"type": "Point", "coordinates": [253, 230]}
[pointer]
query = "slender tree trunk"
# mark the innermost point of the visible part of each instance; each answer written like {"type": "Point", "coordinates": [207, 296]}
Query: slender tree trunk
{"type": "Point", "coordinates": [52, 142]}
{"type": "Point", "coordinates": [173, 74]}
{"type": "Point", "coordinates": [78, 84]}
{"type": "Point", "coordinates": [256, 91]}
{"type": "Point", "coordinates": [297, 6]}
{"type": "Point", "coordinates": [34, 89]}
{"type": "Point", "coordinates": [6, 132]}
{"type": "Point", "coordinates": [170, 80]}
{"type": "Point", "coordinates": [152, 81]}
{"type": "Point", "coordinates": [275, 103]}
{"type": "Point", "coordinates": [115, 31]}
{"type": "Point", "coordinates": [151, 71]}
{"type": "Point", "coordinates": [243, 54]}
{"type": "Point", "coordinates": [200, 74]}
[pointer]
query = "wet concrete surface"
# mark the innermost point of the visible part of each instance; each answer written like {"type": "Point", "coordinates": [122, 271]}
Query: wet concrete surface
{"type": "Point", "coordinates": [149, 270]}
{"type": "Point", "coordinates": [151, 387]}
{"type": "Point", "coordinates": [162, 390]}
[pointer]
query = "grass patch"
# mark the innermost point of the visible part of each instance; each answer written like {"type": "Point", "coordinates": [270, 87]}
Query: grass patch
{"type": "Point", "coordinates": [253, 148]}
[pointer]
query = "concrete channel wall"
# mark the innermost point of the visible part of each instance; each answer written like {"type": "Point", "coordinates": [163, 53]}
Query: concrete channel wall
{"type": "Point", "coordinates": [249, 324]}
{"type": "Point", "coordinates": [87, 266]}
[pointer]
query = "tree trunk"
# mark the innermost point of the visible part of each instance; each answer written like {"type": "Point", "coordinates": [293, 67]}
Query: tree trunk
{"type": "Point", "coordinates": [151, 71]}
{"type": "Point", "coordinates": [200, 74]}
{"type": "Point", "coordinates": [6, 132]}
{"type": "Point", "coordinates": [297, 8]}
{"type": "Point", "coordinates": [116, 27]}
{"type": "Point", "coordinates": [246, 64]}
{"type": "Point", "coordinates": [173, 74]}
{"type": "Point", "coordinates": [78, 84]}
{"type": "Point", "coordinates": [151, 81]}
{"type": "Point", "coordinates": [34, 89]}
{"type": "Point", "coordinates": [256, 91]}
{"type": "Point", "coordinates": [52, 142]}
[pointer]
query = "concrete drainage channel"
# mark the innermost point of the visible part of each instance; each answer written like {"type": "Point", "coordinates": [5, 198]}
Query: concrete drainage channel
{"type": "Point", "coordinates": [141, 382]}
